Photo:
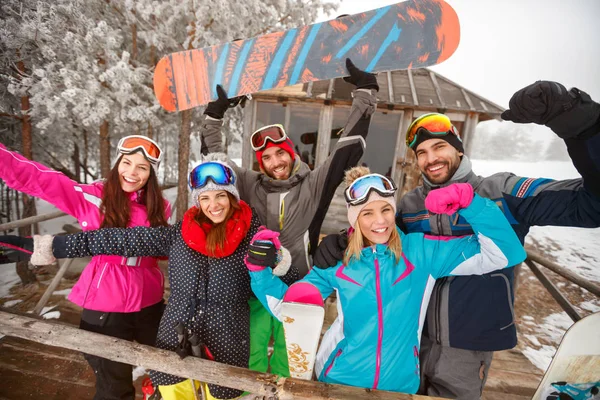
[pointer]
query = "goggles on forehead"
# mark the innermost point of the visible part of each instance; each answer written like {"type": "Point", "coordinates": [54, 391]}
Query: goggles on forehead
{"type": "Point", "coordinates": [214, 171]}
{"type": "Point", "coordinates": [133, 143]}
{"type": "Point", "coordinates": [274, 133]}
{"type": "Point", "coordinates": [358, 192]}
{"type": "Point", "coordinates": [434, 124]}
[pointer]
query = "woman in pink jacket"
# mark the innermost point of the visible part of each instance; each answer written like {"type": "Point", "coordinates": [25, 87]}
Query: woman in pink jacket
{"type": "Point", "coordinates": [121, 297]}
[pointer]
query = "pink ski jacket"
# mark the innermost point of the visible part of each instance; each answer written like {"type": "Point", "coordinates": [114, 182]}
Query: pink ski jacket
{"type": "Point", "coordinates": [108, 283]}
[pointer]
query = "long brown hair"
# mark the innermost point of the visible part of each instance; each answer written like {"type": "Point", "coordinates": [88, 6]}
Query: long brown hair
{"type": "Point", "coordinates": [217, 235]}
{"type": "Point", "coordinates": [115, 201]}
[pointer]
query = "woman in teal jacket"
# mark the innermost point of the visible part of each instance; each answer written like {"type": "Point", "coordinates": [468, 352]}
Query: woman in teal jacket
{"type": "Point", "coordinates": [384, 283]}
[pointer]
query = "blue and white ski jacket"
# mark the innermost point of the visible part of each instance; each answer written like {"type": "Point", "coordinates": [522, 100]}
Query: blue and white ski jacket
{"type": "Point", "coordinates": [375, 341]}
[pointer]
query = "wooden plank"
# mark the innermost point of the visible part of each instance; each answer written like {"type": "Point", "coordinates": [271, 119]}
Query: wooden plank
{"type": "Point", "coordinates": [438, 91]}
{"type": "Point", "coordinates": [9, 226]}
{"type": "Point", "coordinates": [512, 382]}
{"type": "Point", "coordinates": [565, 273]}
{"type": "Point", "coordinates": [267, 385]}
{"type": "Point", "coordinates": [390, 87]}
{"type": "Point", "coordinates": [413, 91]}
{"type": "Point", "coordinates": [554, 292]}
{"type": "Point", "coordinates": [502, 396]}
{"type": "Point", "coordinates": [18, 385]}
{"type": "Point", "coordinates": [52, 287]}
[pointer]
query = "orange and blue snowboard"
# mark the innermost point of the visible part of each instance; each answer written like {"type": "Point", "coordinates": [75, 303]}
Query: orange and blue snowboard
{"type": "Point", "coordinates": [412, 34]}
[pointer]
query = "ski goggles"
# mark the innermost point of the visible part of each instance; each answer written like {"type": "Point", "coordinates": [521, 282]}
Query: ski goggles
{"type": "Point", "coordinates": [133, 143]}
{"type": "Point", "coordinates": [434, 124]}
{"type": "Point", "coordinates": [273, 133]}
{"type": "Point", "coordinates": [358, 192]}
{"type": "Point", "coordinates": [218, 173]}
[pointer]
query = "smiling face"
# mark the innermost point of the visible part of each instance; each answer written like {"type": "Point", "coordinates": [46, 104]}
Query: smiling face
{"type": "Point", "coordinates": [134, 171]}
{"type": "Point", "coordinates": [438, 160]}
{"type": "Point", "coordinates": [377, 221]}
{"type": "Point", "coordinates": [215, 204]}
{"type": "Point", "coordinates": [277, 163]}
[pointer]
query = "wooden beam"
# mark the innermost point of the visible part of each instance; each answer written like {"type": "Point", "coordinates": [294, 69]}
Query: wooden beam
{"type": "Point", "coordinates": [324, 134]}
{"type": "Point", "coordinates": [565, 273]}
{"type": "Point", "coordinates": [438, 91]}
{"type": "Point", "coordinates": [390, 87]}
{"type": "Point", "coordinates": [330, 89]}
{"type": "Point", "coordinates": [413, 91]}
{"type": "Point", "coordinates": [553, 290]}
{"type": "Point", "coordinates": [309, 88]}
{"type": "Point", "coordinates": [9, 226]}
{"type": "Point", "coordinates": [262, 384]}
{"type": "Point", "coordinates": [53, 285]}
{"type": "Point", "coordinates": [468, 99]}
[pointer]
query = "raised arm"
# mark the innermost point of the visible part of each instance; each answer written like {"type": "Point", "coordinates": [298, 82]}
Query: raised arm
{"type": "Point", "coordinates": [265, 271]}
{"type": "Point", "coordinates": [42, 182]}
{"type": "Point", "coordinates": [494, 245]}
{"type": "Point", "coordinates": [128, 242]}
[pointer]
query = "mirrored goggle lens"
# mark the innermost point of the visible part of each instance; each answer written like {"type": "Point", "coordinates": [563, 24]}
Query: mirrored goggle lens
{"type": "Point", "coordinates": [360, 188]}
{"type": "Point", "coordinates": [218, 173]}
{"type": "Point", "coordinates": [130, 144]}
{"type": "Point", "coordinates": [274, 133]}
{"type": "Point", "coordinates": [436, 124]}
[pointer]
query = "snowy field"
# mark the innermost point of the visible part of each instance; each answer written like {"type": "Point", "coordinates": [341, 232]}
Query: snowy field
{"type": "Point", "coordinates": [579, 249]}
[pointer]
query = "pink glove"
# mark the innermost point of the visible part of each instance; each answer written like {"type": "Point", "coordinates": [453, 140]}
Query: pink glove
{"type": "Point", "coordinates": [263, 250]}
{"type": "Point", "coordinates": [449, 199]}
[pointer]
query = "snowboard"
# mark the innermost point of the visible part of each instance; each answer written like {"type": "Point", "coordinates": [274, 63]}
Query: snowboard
{"type": "Point", "coordinates": [412, 34]}
{"type": "Point", "coordinates": [302, 315]}
{"type": "Point", "coordinates": [575, 368]}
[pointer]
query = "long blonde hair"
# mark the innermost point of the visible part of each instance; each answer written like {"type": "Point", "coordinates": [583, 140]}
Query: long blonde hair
{"type": "Point", "coordinates": [356, 240]}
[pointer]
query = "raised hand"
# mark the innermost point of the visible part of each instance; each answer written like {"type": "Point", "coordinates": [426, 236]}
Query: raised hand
{"type": "Point", "coordinates": [360, 78]}
{"type": "Point", "coordinates": [449, 199]}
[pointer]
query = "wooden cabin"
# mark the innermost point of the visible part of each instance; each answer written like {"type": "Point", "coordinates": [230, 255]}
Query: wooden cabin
{"type": "Point", "coordinates": [314, 113]}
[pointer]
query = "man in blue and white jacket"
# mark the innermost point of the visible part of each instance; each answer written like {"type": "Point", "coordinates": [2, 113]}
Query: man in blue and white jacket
{"type": "Point", "coordinates": [470, 317]}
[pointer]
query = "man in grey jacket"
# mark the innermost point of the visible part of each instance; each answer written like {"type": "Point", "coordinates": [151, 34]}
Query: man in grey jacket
{"type": "Point", "coordinates": [288, 196]}
{"type": "Point", "coordinates": [470, 317]}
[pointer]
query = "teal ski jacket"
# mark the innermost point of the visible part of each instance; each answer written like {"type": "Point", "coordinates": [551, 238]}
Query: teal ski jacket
{"type": "Point", "coordinates": [375, 340]}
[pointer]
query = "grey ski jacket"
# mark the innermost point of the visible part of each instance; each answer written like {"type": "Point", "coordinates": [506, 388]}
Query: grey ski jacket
{"type": "Point", "coordinates": [297, 206]}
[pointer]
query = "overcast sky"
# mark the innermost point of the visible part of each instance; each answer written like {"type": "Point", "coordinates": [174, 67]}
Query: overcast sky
{"type": "Point", "coordinates": [508, 44]}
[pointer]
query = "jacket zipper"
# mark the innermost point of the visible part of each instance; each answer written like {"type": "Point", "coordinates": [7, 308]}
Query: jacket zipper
{"type": "Point", "coordinates": [438, 301]}
{"type": "Point", "coordinates": [101, 275]}
{"type": "Point", "coordinates": [380, 322]}
{"type": "Point", "coordinates": [339, 353]}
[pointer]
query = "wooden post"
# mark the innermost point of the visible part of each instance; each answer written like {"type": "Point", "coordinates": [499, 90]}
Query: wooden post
{"type": "Point", "coordinates": [52, 287]}
{"type": "Point", "coordinates": [565, 273]}
{"type": "Point", "coordinates": [553, 290]}
{"type": "Point", "coordinates": [261, 384]}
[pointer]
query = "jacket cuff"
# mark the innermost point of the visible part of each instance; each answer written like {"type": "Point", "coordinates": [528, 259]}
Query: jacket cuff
{"type": "Point", "coordinates": [283, 266]}
{"type": "Point", "coordinates": [477, 205]}
{"type": "Point", "coordinates": [42, 250]}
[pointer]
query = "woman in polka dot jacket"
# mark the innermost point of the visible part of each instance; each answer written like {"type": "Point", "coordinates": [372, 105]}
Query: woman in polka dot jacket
{"type": "Point", "coordinates": [121, 297]}
{"type": "Point", "coordinates": [210, 286]}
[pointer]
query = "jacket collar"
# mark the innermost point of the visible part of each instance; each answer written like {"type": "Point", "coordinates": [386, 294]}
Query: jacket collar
{"type": "Point", "coordinates": [299, 171]}
{"type": "Point", "coordinates": [464, 174]}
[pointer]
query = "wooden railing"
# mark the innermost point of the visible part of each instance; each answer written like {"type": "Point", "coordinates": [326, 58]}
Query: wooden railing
{"type": "Point", "coordinates": [533, 258]}
{"type": "Point", "coordinates": [267, 385]}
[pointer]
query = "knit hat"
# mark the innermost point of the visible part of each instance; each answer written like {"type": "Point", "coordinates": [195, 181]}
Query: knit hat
{"type": "Point", "coordinates": [454, 140]}
{"type": "Point", "coordinates": [222, 159]}
{"type": "Point", "coordinates": [354, 211]}
{"type": "Point", "coordinates": [287, 146]}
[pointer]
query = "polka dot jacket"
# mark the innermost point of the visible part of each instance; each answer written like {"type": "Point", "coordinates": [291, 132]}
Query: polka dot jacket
{"type": "Point", "coordinates": [208, 295]}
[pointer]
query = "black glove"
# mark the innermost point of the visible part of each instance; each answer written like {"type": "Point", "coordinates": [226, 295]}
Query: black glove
{"type": "Point", "coordinates": [15, 248]}
{"type": "Point", "coordinates": [216, 109]}
{"type": "Point", "coordinates": [567, 113]}
{"type": "Point", "coordinates": [360, 78]}
{"type": "Point", "coordinates": [262, 253]}
{"type": "Point", "coordinates": [330, 250]}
